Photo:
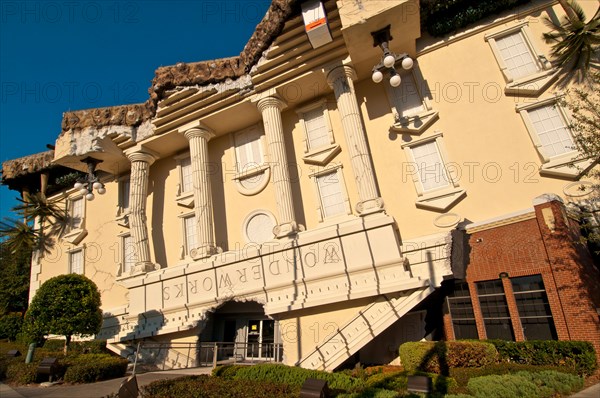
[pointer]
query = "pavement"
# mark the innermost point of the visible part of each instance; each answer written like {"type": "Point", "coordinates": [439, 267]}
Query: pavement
{"type": "Point", "coordinates": [105, 388]}
{"type": "Point", "coordinates": [95, 390]}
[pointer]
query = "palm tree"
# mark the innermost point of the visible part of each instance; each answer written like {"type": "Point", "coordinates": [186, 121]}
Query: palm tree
{"type": "Point", "coordinates": [575, 41]}
{"type": "Point", "coordinates": [40, 219]}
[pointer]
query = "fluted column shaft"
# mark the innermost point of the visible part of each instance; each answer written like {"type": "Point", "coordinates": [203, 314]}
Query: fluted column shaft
{"type": "Point", "coordinates": [340, 78]}
{"type": "Point", "coordinates": [140, 168]}
{"type": "Point", "coordinates": [270, 108]}
{"type": "Point", "coordinates": [198, 139]}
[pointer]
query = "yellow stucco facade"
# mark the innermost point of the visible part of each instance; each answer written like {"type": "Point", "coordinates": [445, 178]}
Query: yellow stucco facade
{"type": "Point", "coordinates": [377, 246]}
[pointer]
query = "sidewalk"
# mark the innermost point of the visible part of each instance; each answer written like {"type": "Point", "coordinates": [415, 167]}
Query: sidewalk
{"type": "Point", "coordinates": [95, 390]}
{"type": "Point", "coordinates": [590, 392]}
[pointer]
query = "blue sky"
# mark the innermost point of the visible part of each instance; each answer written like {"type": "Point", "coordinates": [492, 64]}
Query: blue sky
{"type": "Point", "coordinates": [57, 56]}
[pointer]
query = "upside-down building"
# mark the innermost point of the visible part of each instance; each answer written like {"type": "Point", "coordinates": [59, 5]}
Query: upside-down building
{"type": "Point", "coordinates": [345, 184]}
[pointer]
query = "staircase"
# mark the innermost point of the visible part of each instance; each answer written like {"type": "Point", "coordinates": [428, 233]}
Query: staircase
{"type": "Point", "coordinates": [369, 323]}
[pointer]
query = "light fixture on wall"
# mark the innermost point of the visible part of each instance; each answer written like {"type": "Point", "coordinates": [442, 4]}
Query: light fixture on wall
{"type": "Point", "coordinates": [87, 184]}
{"type": "Point", "coordinates": [382, 39]}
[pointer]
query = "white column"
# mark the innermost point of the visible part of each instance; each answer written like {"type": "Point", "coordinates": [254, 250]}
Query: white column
{"type": "Point", "coordinates": [140, 169]}
{"type": "Point", "coordinates": [270, 108]}
{"type": "Point", "coordinates": [340, 77]}
{"type": "Point", "coordinates": [198, 138]}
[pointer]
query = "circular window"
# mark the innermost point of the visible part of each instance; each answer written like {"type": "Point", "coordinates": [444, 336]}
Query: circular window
{"type": "Point", "coordinates": [258, 227]}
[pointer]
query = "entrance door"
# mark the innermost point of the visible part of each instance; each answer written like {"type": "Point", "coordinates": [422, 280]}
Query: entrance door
{"type": "Point", "coordinates": [261, 336]}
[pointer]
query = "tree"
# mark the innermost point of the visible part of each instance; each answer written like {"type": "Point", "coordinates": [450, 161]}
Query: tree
{"type": "Point", "coordinates": [584, 103]}
{"type": "Point", "coordinates": [42, 219]}
{"type": "Point", "coordinates": [575, 41]}
{"type": "Point", "coordinates": [66, 305]}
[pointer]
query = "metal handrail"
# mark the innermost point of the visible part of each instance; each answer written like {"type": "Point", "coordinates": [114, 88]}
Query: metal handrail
{"type": "Point", "coordinates": [211, 353]}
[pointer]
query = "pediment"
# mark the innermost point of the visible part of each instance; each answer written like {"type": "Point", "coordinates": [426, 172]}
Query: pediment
{"type": "Point", "coordinates": [440, 201]}
{"type": "Point", "coordinates": [570, 169]}
{"type": "Point", "coordinates": [532, 86]}
{"type": "Point", "coordinates": [416, 124]}
{"type": "Point", "coordinates": [322, 157]}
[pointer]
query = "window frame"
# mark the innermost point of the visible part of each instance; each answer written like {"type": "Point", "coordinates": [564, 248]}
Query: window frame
{"type": "Point", "coordinates": [301, 112]}
{"type": "Point", "coordinates": [516, 295]}
{"type": "Point", "coordinates": [185, 249]}
{"type": "Point", "coordinates": [183, 198]}
{"type": "Point", "coordinates": [338, 169]}
{"type": "Point", "coordinates": [558, 165]}
{"type": "Point", "coordinates": [481, 307]}
{"type": "Point", "coordinates": [261, 170]}
{"type": "Point", "coordinates": [437, 198]}
{"type": "Point", "coordinates": [75, 235]}
{"type": "Point", "coordinates": [455, 319]}
{"type": "Point", "coordinates": [70, 253]}
{"type": "Point", "coordinates": [527, 84]}
{"type": "Point", "coordinates": [420, 121]}
{"type": "Point", "coordinates": [122, 211]}
{"type": "Point", "coordinates": [124, 254]}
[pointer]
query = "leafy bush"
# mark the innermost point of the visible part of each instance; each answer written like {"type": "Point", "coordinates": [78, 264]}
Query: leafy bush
{"type": "Point", "coordinates": [10, 325]}
{"type": "Point", "coordinates": [579, 355]}
{"type": "Point", "coordinates": [90, 368]}
{"type": "Point", "coordinates": [463, 375]}
{"type": "Point", "coordinates": [438, 357]}
{"type": "Point", "coordinates": [293, 376]}
{"type": "Point", "coordinates": [19, 372]}
{"type": "Point", "coordinates": [204, 386]}
{"type": "Point", "coordinates": [441, 17]}
{"type": "Point", "coordinates": [524, 384]}
{"type": "Point", "coordinates": [371, 393]}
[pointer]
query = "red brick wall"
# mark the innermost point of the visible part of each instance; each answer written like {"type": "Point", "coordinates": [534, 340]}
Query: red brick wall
{"type": "Point", "coordinates": [548, 245]}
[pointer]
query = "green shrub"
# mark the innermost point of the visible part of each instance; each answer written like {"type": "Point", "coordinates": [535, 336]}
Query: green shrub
{"type": "Point", "coordinates": [556, 382]}
{"type": "Point", "coordinates": [19, 372]}
{"type": "Point", "coordinates": [463, 375]}
{"type": "Point", "coordinates": [204, 386]}
{"type": "Point", "coordinates": [293, 376]}
{"type": "Point", "coordinates": [89, 368]}
{"type": "Point", "coordinates": [88, 347]}
{"type": "Point", "coordinates": [54, 345]}
{"type": "Point", "coordinates": [438, 357]}
{"type": "Point", "coordinates": [579, 355]}
{"type": "Point", "coordinates": [524, 384]}
{"type": "Point", "coordinates": [10, 325]}
{"type": "Point", "coordinates": [371, 393]}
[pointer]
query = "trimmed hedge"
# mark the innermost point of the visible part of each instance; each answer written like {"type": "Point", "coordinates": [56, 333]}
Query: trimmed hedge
{"type": "Point", "coordinates": [19, 372]}
{"type": "Point", "coordinates": [439, 357]}
{"type": "Point", "coordinates": [525, 384]}
{"type": "Point", "coordinates": [204, 386]}
{"type": "Point", "coordinates": [579, 355]}
{"type": "Point", "coordinates": [463, 375]}
{"type": "Point", "coordinates": [293, 376]}
{"type": "Point", "coordinates": [440, 17]}
{"type": "Point", "coordinates": [89, 368]}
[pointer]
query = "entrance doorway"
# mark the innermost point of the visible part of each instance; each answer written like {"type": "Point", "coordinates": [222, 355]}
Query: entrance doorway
{"type": "Point", "coordinates": [261, 339]}
{"type": "Point", "coordinates": [239, 332]}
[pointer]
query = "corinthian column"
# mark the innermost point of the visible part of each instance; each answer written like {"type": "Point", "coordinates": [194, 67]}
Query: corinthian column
{"type": "Point", "coordinates": [140, 168]}
{"type": "Point", "coordinates": [198, 138]}
{"type": "Point", "coordinates": [270, 108]}
{"type": "Point", "coordinates": [340, 77]}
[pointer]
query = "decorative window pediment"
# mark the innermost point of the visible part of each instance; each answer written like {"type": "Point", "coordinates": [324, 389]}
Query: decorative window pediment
{"type": "Point", "coordinates": [436, 189]}
{"type": "Point", "coordinates": [526, 70]}
{"type": "Point", "coordinates": [319, 143]}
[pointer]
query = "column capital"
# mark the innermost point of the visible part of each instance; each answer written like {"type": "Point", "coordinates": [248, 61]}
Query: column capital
{"type": "Point", "coordinates": [198, 132]}
{"type": "Point", "coordinates": [268, 100]}
{"type": "Point", "coordinates": [145, 155]}
{"type": "Point", "coordinates": [339, 69]}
